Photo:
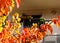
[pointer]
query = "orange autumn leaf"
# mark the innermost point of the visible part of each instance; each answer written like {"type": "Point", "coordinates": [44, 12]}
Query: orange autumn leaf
{"type": "Point", "coordinates": [40, 36]}
{"type": "Point", "coordinates": [6, 10]}
{"type": "Point", "coordinates": [1, 13]}
{"type": "Point", "coordinates": [48, 26]}
{"type": "Point", "coordinates": [6, 4]}
{"type": "Point", "coordinates": [58, 21]}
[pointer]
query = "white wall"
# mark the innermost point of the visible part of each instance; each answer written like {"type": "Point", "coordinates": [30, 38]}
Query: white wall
{"type": "Point", "coordinates": [45, 12]}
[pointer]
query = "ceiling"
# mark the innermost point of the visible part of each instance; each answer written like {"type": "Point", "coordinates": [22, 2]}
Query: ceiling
{"type": "Point", "coordinates": [39, 4]}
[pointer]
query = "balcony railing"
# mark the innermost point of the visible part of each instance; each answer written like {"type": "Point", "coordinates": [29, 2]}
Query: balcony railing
{"type": "Point", "coordinates": [51, 39]}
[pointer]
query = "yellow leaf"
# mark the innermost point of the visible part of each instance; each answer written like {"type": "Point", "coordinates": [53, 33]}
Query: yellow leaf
{"type": "Point", "coordinates": [17, 31]}
{"type": "Point", "coordinates": [1, 28]}
{"type": "Point", "coordinates": [19, 19]}
{"type": "Point", "coordinates": [0, 23]}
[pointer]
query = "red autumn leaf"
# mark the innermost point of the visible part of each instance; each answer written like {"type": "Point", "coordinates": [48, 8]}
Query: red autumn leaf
{"type": "Point", "coordinates": [9, 23]}
{"type": "Point", "coordinates": [0, 35]}
{"type": "Point", "coordinates": [43, 28]}
{"type": "Point", "coordinates": [58, 17]}
{"type": "Point", "coordinates": [18, 3]}
{"type": "Point", "coordinates": [26, 32]}
{"type": "Point", "coordinates": [54, 20]}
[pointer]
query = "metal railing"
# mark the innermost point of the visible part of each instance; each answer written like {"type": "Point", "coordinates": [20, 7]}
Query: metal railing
{"type": "Point", "coordinates": [55, 38]}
